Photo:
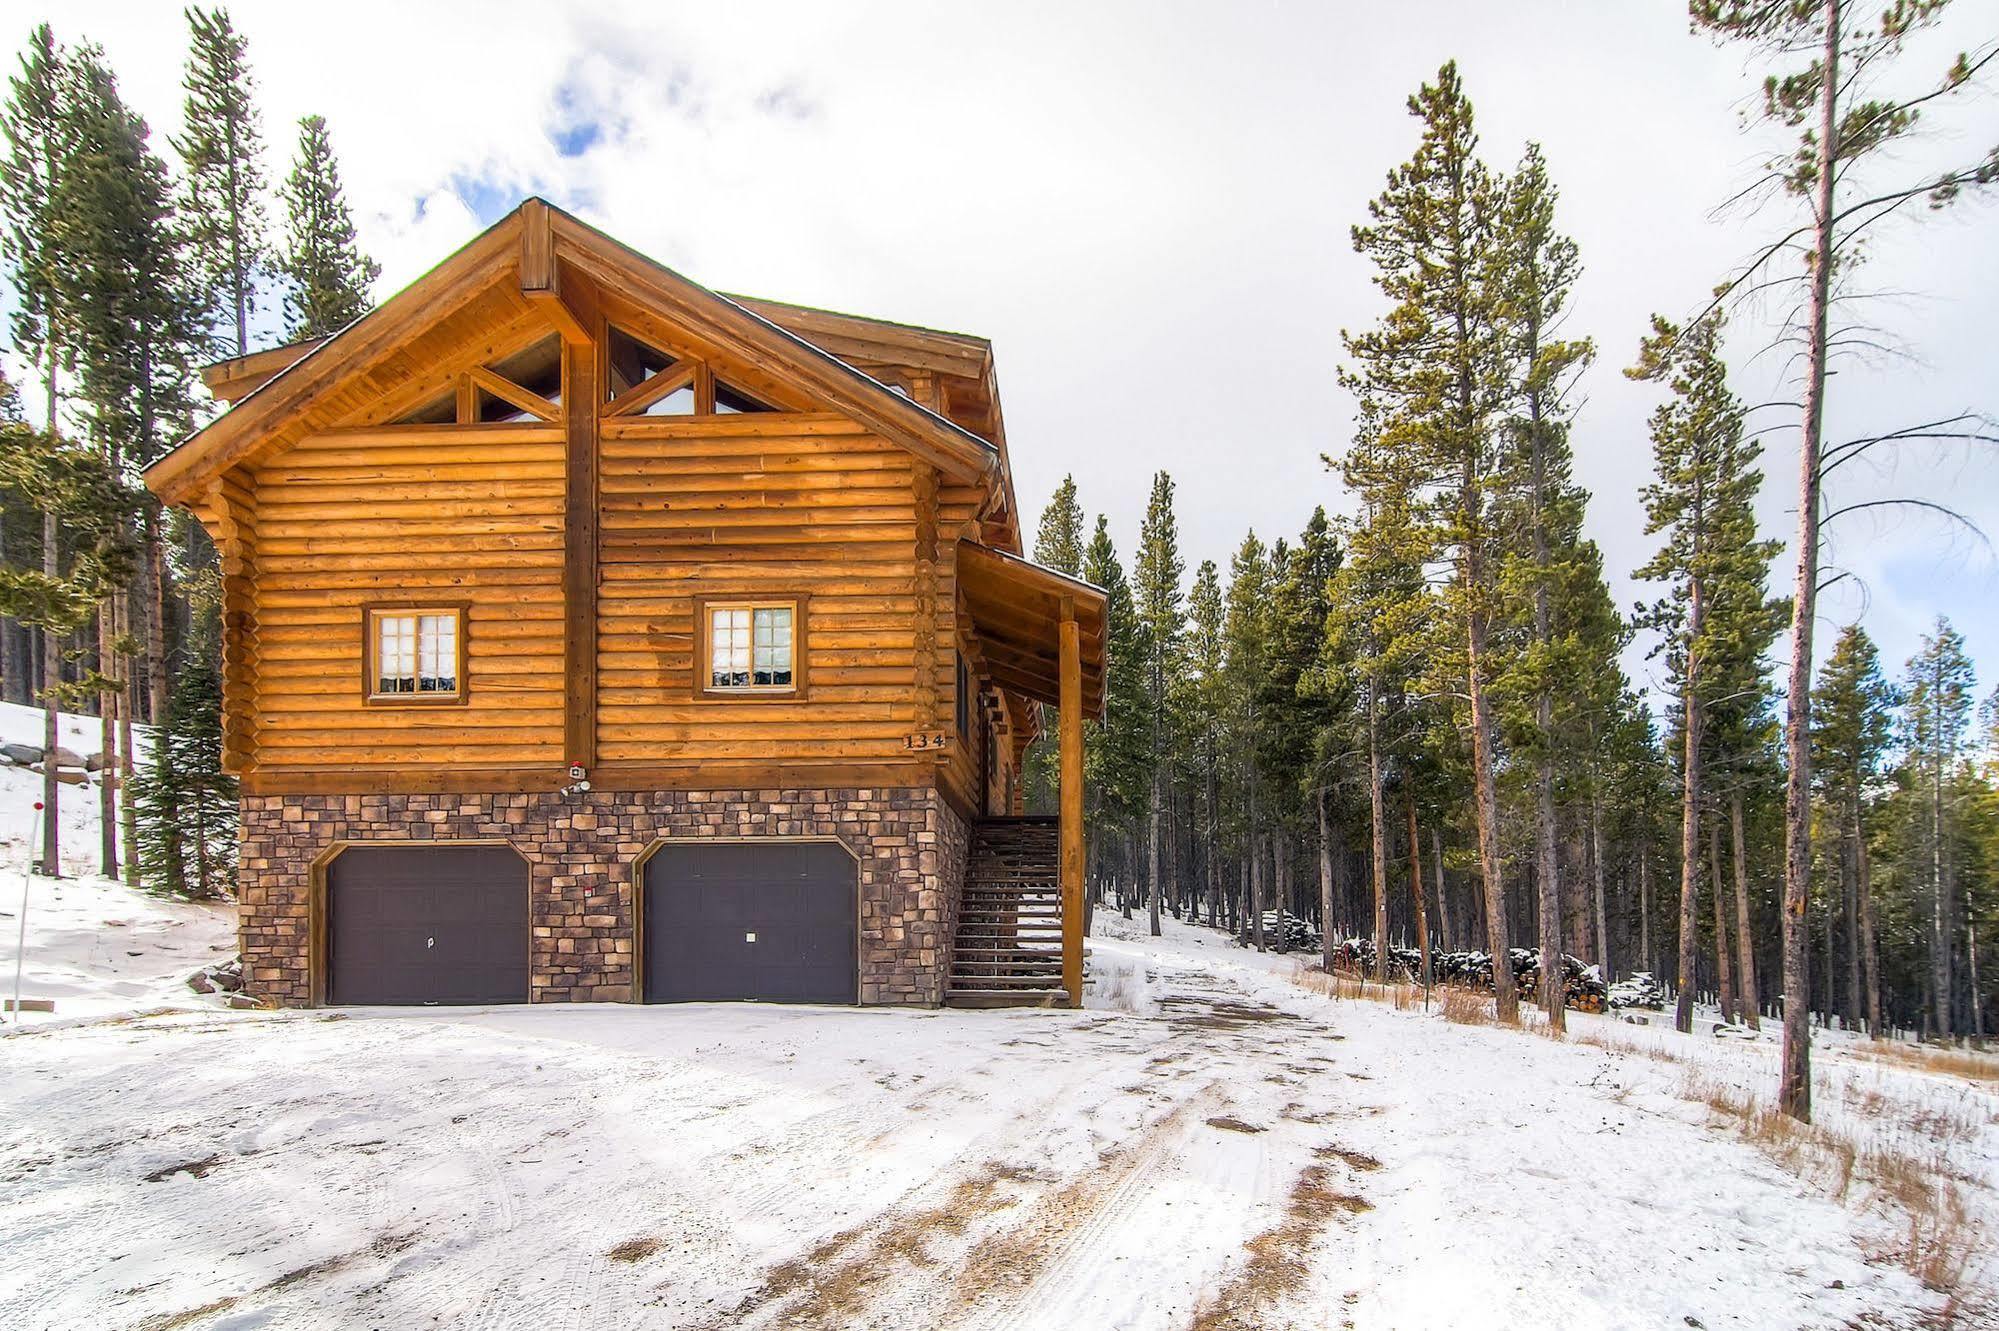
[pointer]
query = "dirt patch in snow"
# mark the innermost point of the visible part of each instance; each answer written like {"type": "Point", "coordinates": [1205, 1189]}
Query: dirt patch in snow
{"type": "Point", "coordinates": [192, 1168]}
{"type": "Point", "coordinates": [1230, 1123]}
{"type": "Point", "coordinates": [1279, 1258]}
{"type": "Point", "coordinates": [635, 1250]}
{"type": "Point", "coordinates": [1359, 1160]}
{"type": "Point", "coordinates": [170, 1321]}
{"type": "Point", "coordinates": [1000, 1274]}
{"type": "Point", "coordinates": [843, 1274]}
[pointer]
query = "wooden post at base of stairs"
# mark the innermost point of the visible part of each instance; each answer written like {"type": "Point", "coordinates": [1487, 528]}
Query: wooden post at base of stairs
{"type": "Point", "coordinates": [1072, 804]}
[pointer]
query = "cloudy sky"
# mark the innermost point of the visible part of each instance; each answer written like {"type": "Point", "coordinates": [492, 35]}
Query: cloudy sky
{"type": "Point", "coordinates": [1147, 208]}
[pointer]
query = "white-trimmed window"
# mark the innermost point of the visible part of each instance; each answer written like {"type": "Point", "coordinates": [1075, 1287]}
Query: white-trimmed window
{"type": "Point", "coordinates": [416, 654]}
{"type": "Point", "coordinates": [751, 647]}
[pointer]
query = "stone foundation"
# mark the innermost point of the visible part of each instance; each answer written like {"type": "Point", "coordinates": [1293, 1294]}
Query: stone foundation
{"type": "Point", "coordinates": [580, 850]}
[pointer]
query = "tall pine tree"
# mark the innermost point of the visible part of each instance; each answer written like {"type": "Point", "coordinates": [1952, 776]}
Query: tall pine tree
{"type": "Point", "coordinates": [1435, 370]}
{"type": "Point", "coordinates": [38, 131]}
{"type": "Point", "coordinates": [1535, 269]}
{"type": "Point", "coordinates": [1162, 622]}
{"type": "Point", "coordinates": [325, 275]}
{"type": "Point", "coordinates": [222, 147]}
{"type": "Point", "coordinates": [1937, 694]}
{"type": "Point", "coordinates": [1852, 723]}
{"type": "Point", "coordinates": [1701, 499]}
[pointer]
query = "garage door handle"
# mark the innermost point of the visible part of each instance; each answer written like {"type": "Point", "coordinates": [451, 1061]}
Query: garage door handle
{"type": "Point", "coordinates": [430, 942]}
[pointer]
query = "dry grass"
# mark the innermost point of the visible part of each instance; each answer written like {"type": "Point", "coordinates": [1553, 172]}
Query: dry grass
{"type": "Point", "coordinates": [1938, 1238]}
{"type": "Point", "coordinates": [1468, 1008]}
{"type": "Point", "coordinates": [1340, 986]}
{"type": "Point", "coordinates": [1589, 1035]}
{"type": "Point", "coordinates": [1971, 1064]}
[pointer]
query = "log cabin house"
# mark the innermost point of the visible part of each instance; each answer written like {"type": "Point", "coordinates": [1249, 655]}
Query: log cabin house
{"type": "Point", "coordinates": [590, 635]}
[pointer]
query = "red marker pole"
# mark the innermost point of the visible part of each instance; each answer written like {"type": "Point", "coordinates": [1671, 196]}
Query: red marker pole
{"type": "Point", "coordinates": [21, 938]}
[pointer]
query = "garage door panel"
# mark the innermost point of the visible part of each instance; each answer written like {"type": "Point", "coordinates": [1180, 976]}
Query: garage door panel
{"type": "Point", "coordinates": [429, 924]}
{"type": "Point", "coordinates": [703, 903]}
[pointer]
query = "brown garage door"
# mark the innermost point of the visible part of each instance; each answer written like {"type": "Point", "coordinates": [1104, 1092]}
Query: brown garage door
{"type": "Point", "coordinates": [427, 924]}
{"type": "Point", "coordinates": [773, 922]}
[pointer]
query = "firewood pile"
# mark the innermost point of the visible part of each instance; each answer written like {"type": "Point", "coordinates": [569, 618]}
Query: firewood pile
{"type": "Point", "coordinates": [1583, 983]}
{"type": "Point", "coordinates": [1298, 935]}
{"type": "Point", "coordinates": [1640, 990]}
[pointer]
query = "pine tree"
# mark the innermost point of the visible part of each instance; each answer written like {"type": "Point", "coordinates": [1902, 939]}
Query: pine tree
{"type": "Point", "coordinates": [326, 277]}
{"type": "Point", "coordinates": [1058, 544]}
{"type": "Point", "coordinates": [1296, 708]}
{"type": "Point", "coordinates": [1435, 371]}
{"type": "Point", "coordinates": [1536, 268]}
{"type": "Point", "coordinates": [222, 149]}
{"type": "Point", "coordinates": [1247, 627]}
{"type": "Point", "coordinates": [37, 124]}
{"type": "Point", "coordinates": [187, 803]}
{"type": "Point", "coordinates": [1206, 710]}
{"type": "Point", "coordinates": [1844, 120]}
{"type": "Point", "coordinates": [1701, 498]}
{"type": "Point", "coordinates": [1114, 751]}
{"type": "Point", "coordinates": [1851, 728]}
{"type": "Point", "coordinates": [91, 510]}
{"type": "Point", "coordinates": [1161, 619]}
{"type": "Point", "coordinates": [125, 285]}
{"type": "Point", "coordinates": [1378, 624]}
{"type": "Point", "coordinates": [1937, 694]}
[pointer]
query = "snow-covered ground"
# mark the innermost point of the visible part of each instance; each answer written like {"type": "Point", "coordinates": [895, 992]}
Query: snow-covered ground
{"type": "Point", "coordinates": [95, 947]}
{"type": "Point", "coordinates": [1214, 1143]}
{"type": "Point", "coordinates": [1223, 1148]}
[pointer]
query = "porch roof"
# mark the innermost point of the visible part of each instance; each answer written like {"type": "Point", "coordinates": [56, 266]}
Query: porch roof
{"type": "Point", "coordinates": [1018, 608]}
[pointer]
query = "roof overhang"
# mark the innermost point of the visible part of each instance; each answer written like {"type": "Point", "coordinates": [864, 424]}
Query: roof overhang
{"type": "Point", "coordinates": [533, 246]}
{"type": "Point", "coordinates": [1018, 608]}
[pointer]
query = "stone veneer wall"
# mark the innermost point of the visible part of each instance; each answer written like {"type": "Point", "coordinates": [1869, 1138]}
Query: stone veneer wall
{"type": "Point", "coordinates": [911, 844]}
{"type": "Point", "coordinates": [954, 854]}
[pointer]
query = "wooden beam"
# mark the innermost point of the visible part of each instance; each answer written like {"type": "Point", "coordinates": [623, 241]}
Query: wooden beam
{"type": "Point", "coordinates": [634, 400]}
{"type": "Point", "coordinates": [562, 299]}
{"type": "Point", "coordinates": [508, 391]}
{"type": "Point", "coordinates": [1072, 808]}
{"type": "Point", "coordinates": [582, 392]}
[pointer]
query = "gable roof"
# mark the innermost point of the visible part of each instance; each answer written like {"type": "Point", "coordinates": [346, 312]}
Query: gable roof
{"type": "Point", "coordinates": [303, 396]}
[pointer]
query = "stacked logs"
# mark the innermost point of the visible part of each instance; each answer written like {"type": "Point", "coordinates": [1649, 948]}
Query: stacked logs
{"type": "Point", "coordinates": [1583, 984]}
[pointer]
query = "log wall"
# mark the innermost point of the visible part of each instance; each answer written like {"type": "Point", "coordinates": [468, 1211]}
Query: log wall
{"type": "Point", "coordinates": [458, 514]}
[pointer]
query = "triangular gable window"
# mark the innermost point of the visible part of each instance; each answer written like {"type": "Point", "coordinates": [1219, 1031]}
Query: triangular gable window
{"type": "Point", "coordinates": [677, 402]}
{"type": "Point", "coordinates": [731, 401]}
{"type": "Point", "coordinates": [633, 362]}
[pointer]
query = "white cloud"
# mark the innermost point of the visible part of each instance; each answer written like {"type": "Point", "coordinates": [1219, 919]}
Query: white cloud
{"type": "Point", "coordinates": [1145, 206]}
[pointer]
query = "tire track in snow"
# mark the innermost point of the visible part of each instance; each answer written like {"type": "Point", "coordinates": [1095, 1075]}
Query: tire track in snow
{"type": "Point", "coordinates": [1054, 1246]}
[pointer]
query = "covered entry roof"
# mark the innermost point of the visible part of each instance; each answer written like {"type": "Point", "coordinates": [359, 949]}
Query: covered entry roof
{"type": "Point", "coordinates": [1018, 608]}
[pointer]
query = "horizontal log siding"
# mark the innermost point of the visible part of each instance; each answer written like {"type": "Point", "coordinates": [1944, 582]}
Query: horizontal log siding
{"type": "Point", "coordinates": [964, 762]}
{"type": "Point", "coordinates": [446, 516]}
{"type": "Point", "coordinates": [782, 505]}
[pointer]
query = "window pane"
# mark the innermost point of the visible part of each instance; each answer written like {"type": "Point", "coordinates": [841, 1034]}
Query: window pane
{"type": "Point", "coordinates": [729, 649]}
{"type": "Point", "coordinates": [680, 402]}
{"type": "Point", "coordinates": [437, 654]}
{"type": "Point", "coordinates": [395, 654]}
{"type": "Point", "coordinates": [773, 646]}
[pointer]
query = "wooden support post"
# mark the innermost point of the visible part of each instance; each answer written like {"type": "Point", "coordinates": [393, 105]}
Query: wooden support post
{"type": "Point", "coordinates": [1072, 804]}
{"type": "Point", "coordinates": [582, 394]}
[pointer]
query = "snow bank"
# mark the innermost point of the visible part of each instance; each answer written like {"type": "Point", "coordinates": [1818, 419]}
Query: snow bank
{"type": "Point", "coordinates": [95, 948]}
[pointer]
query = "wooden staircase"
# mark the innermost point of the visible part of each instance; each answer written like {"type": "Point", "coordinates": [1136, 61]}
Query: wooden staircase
{"type": "Point", "coordinates": [1008, 949]}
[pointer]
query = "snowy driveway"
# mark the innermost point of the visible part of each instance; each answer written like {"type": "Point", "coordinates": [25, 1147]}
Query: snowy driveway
{"type": "Point", "coordinates": [1241, 1154]}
